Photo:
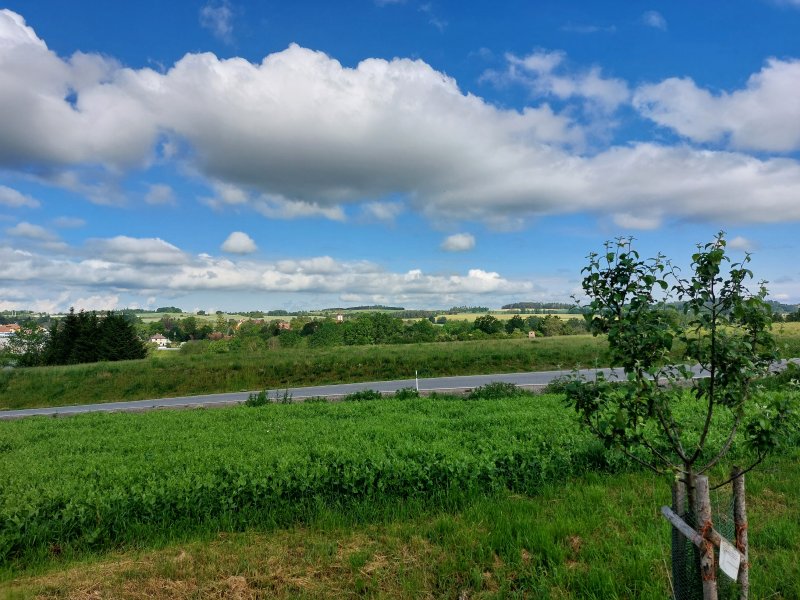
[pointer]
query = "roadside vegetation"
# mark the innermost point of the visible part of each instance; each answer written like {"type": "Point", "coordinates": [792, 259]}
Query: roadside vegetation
{"type": "Point", "coordinates": [194, 371]}
{"type": "Point", "coordinates": [475, 497]}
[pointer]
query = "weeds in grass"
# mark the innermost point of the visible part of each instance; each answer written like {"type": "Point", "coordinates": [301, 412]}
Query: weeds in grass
{"type": "Point", "coordinates": [362, 396]}
{"type": "Point", "coordinates": [496, 390]}
{"type": "Point", "coordinates": [257, 399]}
{"type": "Point", "coordinates": [558, 385]}
{"type": "Point", "coordinates": [315, 400]}
{"type": "Point", "coordinates": [781, 379]}
{"type": "Point", "coordinates": [262, 398]}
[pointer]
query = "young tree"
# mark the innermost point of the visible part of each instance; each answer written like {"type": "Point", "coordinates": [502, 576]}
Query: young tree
{"type": "Point", "coordinates": [725, 330]}
{"type": "Point", "coordinates": [488, 324]}
{"type": "Point", "coordinates": [221, 324]}
{"type": "Point", "coordinates": [515, 323]}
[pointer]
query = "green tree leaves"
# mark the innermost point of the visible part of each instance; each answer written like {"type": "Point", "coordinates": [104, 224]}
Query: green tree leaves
{"type": "Point", "coordinates": [27, 344]}
{"type": "Point", "coordinates": [725, 328]}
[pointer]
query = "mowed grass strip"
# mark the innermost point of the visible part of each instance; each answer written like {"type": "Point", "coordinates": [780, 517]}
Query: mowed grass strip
{"type": "Point", "coordinates": [592, 536]}
{"type": "Point", "coordinates": [169, 374]}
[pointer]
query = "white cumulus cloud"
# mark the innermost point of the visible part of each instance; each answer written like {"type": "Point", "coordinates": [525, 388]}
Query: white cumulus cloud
{"type": "Point", "coordinates": [107, 122]}
{"type": "Point", "coordinates": [299, 135]}
{"type": "Point", "coordinates": [148, 266]}
{"type": "Point", "coordinates": [741, 243]}
{"type": "Point", "coordinates": [545, 74]}
{"type": "Point", "coordinates": [15, 199]}
{"type": "Point", "coordinates": [159, 194]}
{"type": "Point", "coordinates": [459, 242]}
{"type": "Point", "coordinates": [382, 211]}
{"type": "Point", "coordinates": [764, 115]}
{"type": "Point", "coordinates": [97, 302]}
{"type": "Point", "coordinates": [135, 251]}
{"type": "Point", "coordinates": [24, 229]}
{"type": "Point", "coordinates": [239, 243]}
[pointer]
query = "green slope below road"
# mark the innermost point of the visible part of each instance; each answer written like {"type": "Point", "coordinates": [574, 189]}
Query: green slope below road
{"type": "Point", "coordinates": [169, 374]}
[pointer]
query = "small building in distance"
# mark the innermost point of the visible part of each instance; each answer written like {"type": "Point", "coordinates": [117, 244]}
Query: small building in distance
{"type": "Point", "coordinates": [284, 325]}
{"type": "Point", "coordinates": [340, 318]}
{"type": "Point", "coordinates": [159, 340]}
{"type": "Point", "coordinates": [531, 335]}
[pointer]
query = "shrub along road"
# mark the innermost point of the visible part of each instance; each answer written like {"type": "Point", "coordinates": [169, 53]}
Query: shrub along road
{"type": "Point", "coordinates": [532, 380]}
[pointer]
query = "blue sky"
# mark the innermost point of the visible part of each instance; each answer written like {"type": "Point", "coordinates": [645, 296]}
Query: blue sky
{"type": "Point", "coordinates": [254, 155]}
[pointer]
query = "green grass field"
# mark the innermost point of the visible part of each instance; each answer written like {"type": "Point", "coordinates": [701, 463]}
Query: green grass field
{"type": "Point", "coordinates": [95, 480]}
{"type": "Point", "coordinates": [172, 374]}
{"type": "Point", "coordinates": [593, 537]}
{"type": "Point", "coordinates": [422, 498]}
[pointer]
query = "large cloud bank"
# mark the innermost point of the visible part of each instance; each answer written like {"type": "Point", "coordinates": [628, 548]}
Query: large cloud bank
{"type": "Point", "coordinates": [109, 267]}
{"type": "Point", "coordinates": [299, 134]}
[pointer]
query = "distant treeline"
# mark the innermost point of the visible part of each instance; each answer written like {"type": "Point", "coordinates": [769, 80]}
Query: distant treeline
{"type": "Point", "coordinates": [374, 328]}
{"type": "Point", "coordinates": [370, 307]}
{"type": "Point", "coordinates": [539, 305]}
{"type": "Point", "coordinates": [168, 309]}
{"type": "Point", "coordinates": [467, 309]}
{"type": "Point", "coordinates": [20, 316]}
{"type": "Point", "coordinates": [779, 307]}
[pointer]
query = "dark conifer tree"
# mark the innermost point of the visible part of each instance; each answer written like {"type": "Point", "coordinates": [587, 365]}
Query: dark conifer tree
{"type": "Point", "coordinates": [85, 337]}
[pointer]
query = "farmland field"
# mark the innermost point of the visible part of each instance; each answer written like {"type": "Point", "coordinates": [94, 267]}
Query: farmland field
{"type": "Point", "coordinates": [427, 493]}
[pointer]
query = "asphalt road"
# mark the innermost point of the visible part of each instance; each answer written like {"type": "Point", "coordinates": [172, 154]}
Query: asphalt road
{"type": "Point", "coordinates": [532, 380]}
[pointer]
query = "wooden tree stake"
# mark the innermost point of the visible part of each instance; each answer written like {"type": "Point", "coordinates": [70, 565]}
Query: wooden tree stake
{"type": "Point", "coordinates": [740, 521]}
{"type": "Point", "coordinates": [708, 569]}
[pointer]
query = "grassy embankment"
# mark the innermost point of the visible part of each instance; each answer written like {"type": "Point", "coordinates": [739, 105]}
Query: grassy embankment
{"type": "Point", "coordinates": [172, 374]}
{"type": "Point", "coordinates": [169, 374]}
{"type": "Point", "coordinates": [402, 499]}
